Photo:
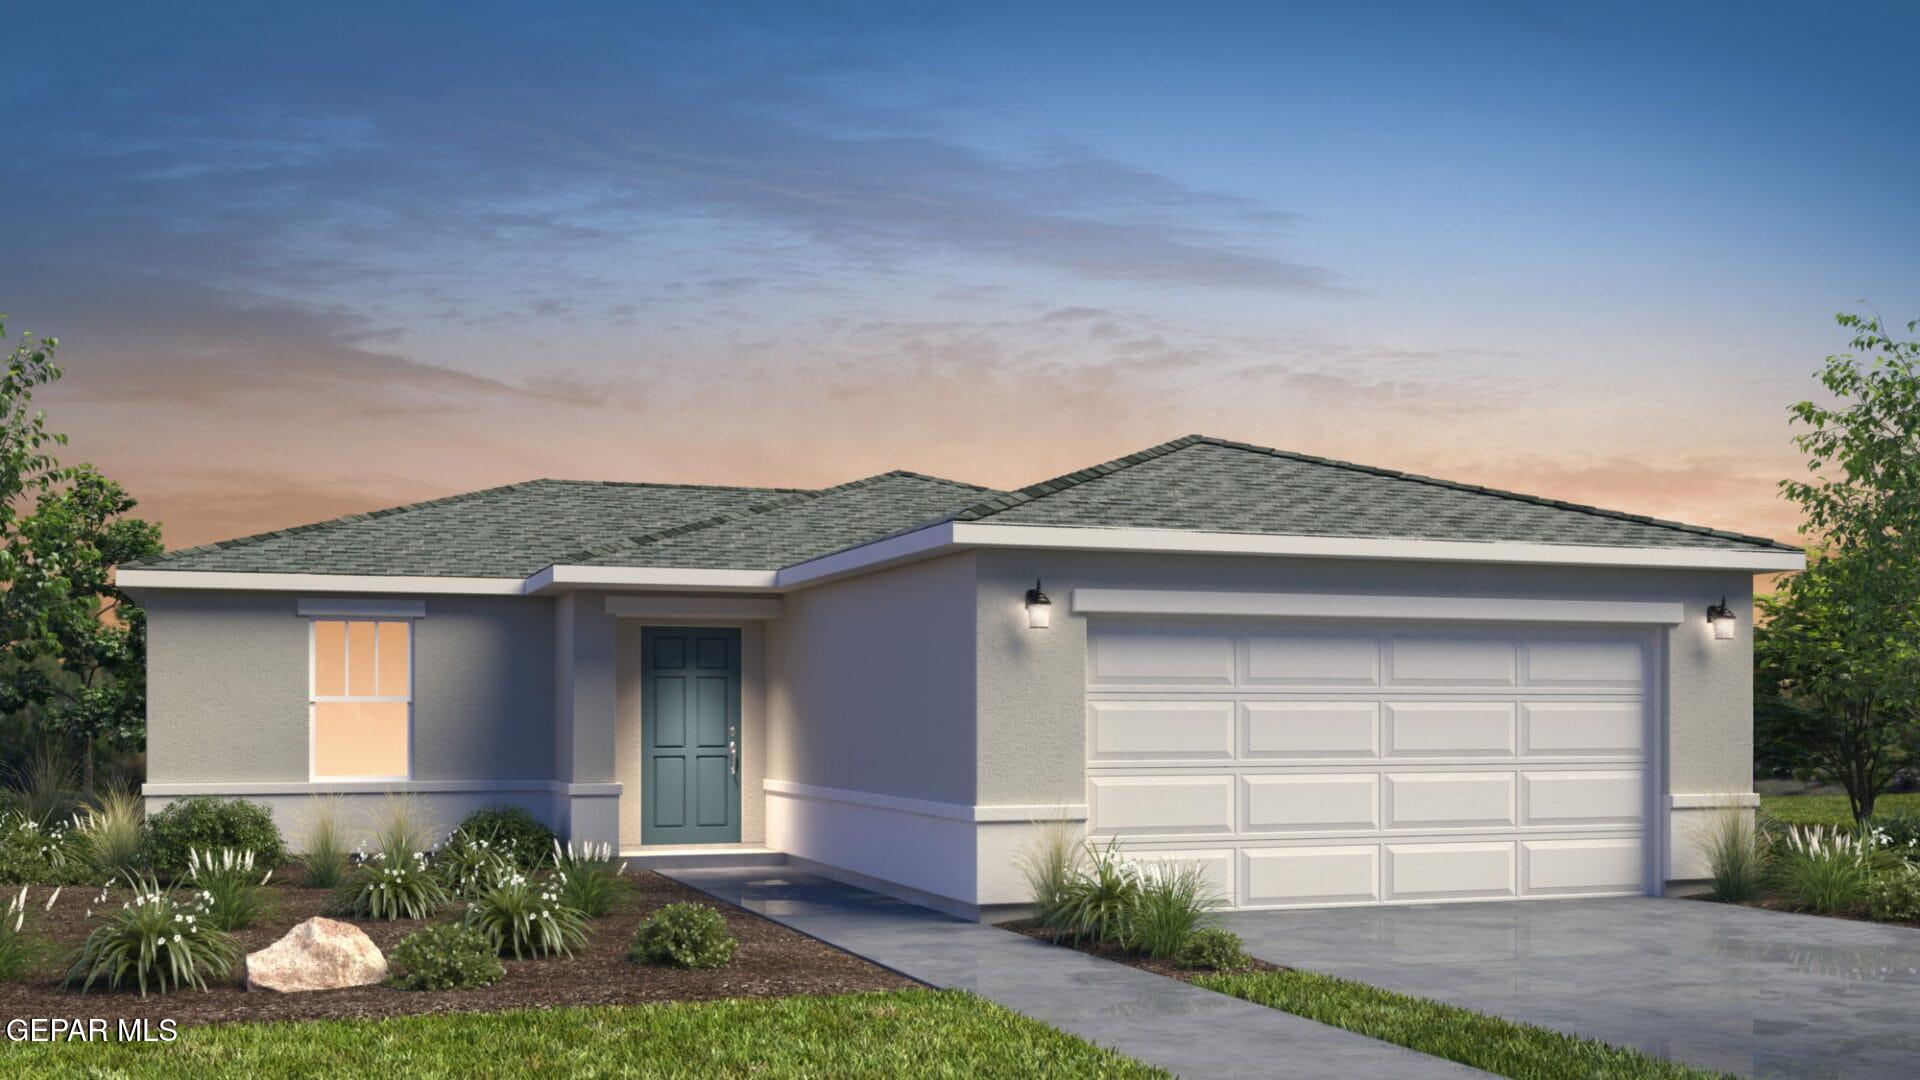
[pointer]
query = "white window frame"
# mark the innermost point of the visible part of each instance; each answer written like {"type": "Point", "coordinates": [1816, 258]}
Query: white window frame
{"type": "Point", "coordinates": [317, 613]}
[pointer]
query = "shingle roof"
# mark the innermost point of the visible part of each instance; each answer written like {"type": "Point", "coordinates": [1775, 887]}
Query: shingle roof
{"type": "Point", "coordinates": [1194, 483]}
{"type": "Point", "coordinates": [801, 529]}
{"type": "Point", "coordinates": [1213, 485]}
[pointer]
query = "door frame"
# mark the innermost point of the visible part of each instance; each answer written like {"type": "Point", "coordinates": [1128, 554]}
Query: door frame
{"type": "Point", "coordinates": [735, 723]}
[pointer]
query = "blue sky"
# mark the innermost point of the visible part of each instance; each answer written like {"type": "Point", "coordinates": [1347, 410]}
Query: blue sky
{"type": "Point", "coordinates": [314, 261]}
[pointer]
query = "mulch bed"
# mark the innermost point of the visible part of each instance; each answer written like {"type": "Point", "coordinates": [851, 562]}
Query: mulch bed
{"type": "Point", "coordinates": [1032, 929]}
{"type": "Point", "coordinates": [772, 961]}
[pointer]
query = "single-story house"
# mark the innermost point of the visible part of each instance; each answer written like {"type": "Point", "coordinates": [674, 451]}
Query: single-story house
{"type": "Point", "coordinates": [1326, 683]}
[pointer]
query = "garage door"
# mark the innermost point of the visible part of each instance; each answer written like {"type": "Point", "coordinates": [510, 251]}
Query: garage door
{"type": "Point", "coordinates": [1314, 765]}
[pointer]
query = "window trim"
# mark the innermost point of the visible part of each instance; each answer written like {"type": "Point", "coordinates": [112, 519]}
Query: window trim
{"type": "Point", "coordinates": [313, 695]}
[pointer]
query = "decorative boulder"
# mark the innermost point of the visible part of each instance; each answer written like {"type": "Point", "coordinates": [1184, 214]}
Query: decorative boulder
{"type": "Point", "coordinates": [319, 954]}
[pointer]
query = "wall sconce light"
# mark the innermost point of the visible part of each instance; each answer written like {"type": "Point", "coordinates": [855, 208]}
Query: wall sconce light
{"type": "Point", "coordinates": [1720, 617]}
{"type": "Point", "coordinates": [1039, 608]}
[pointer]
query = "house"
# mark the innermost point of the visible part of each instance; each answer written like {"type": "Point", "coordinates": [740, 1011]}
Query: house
{"type": "Point", "coordinates": [1325, 683]}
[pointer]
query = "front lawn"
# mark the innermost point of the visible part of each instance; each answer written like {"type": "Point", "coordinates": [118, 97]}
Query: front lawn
{"type": "Point", "coordinates": [1485, 1042]}
{"type": "Point", "coordinates": [1829, 809]}
{"type": "Point", "coordinates": [899, 1033]}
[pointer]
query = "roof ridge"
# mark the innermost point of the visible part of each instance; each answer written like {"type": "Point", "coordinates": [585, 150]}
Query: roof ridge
{"type": "Point", "coordinates": [330, 523]}
{"type": "Point", "coordinates": [803, 496]}
{"type": "Point", "coordinates": [1502, 493]}
{"type": "Point", "coordinates": [1010, 499]}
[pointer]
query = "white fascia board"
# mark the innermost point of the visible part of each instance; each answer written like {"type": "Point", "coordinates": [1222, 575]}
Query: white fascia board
{"type": "Point", "coordinates": [1180, 541]}
{"type": "Point", "coordinates": [318, 583]}
{"type": "Point", "coordinates": [1334, 606]}
{"type": "Point", "coordinates": [379, 609]}
{"type": "Point", "coordinates": [906, 547]}
{"type": "Point", "coordinates": [647, 577]}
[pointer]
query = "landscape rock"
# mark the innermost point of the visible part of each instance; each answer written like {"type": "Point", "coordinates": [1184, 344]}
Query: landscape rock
{"type": "Point", "coordinates": [319, 954]}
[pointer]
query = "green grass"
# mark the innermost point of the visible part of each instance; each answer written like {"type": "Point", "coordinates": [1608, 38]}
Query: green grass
{"type": "Point", "coordinates": [904, 1033]}
{"type": "Point", "coordinates": [1829, 809]}
{"type": "Point", "coordinates": [1499, 1046]}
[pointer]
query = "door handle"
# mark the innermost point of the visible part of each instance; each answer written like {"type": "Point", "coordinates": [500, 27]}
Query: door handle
{"type": "Point", "coordinates": [733, 752]}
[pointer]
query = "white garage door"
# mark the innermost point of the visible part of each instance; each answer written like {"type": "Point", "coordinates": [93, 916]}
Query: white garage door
{"type": "Point", "coordinates": [1310, 765]}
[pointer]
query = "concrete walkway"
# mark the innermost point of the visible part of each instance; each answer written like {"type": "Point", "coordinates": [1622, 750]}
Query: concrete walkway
{"type": "Point", "coordinates": [1760, 993]}
{"type": "Point", "coordinates": [1162, 1021]}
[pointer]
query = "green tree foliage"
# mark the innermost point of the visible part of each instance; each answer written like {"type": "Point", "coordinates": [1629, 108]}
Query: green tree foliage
{"type": "Point", "coordinates": [1837, 654]}
{"type": "Point", "coordinates": [72, 646]}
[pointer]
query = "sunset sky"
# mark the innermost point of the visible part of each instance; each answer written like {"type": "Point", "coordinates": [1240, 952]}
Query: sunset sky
{"type": "Point", "coordinates": [308, 261]}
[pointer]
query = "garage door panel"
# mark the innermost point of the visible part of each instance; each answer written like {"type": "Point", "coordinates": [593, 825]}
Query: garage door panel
{"type": "Point", "coordinates": [1163, 656]}
{"type": "Point", "coordinates": [1449, 729]}
{"type": "Point", "coordinates": [1132, 732]}
{"type": "Point", "coordinates": [1161, 805]}
{"type": "Point", "coordinates": [1614, 663]}
{"type": "Point", "coordinates": [1615, 797]}
{"type": "Point", "coordinates": [1310, 730]}
{"type": "Point", "coordinates": [1448, 659]}
{"type": "Point", "coordinates": [1310, 658]}
{"type": "Point", "coordinates": [1583, 729]}
{"type": "Point", "coordinates": [1583, 867]}
{"type": "Point", "coordinates": [1317, 802]}
{"type": "Point", "coordinates": [1309, 876]}
{"type": "Point", "coordinates": [1451, 871]}
{"type": "Point", "coordinates": [1449, 800]}
{"type": "Point", "coordinates": [1308, 765]}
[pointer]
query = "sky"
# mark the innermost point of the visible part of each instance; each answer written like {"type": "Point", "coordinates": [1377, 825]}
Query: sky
{"type": "Point", "coordinates": [307, 261]}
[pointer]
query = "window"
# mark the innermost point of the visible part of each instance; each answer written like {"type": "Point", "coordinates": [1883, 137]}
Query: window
{"type": "Point", "coordinates": [362, 697]}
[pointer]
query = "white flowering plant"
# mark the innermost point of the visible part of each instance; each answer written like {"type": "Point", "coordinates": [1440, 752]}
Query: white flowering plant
{"type": "Point", "coordinates": [589, 876]}
{"type": "Point", "coordinates": [231, 883]}
{"type": "Point", "coordinates": [158, 939]}
{"type": "Point", "coordinates": [527, 917]}
{"type": "Point", "coordinates": [394, 885]}
{"type": "Point", "coordinates": [35, 854]}
{"type": "Point", "coordinates": [18, 949]}
{"type": "Point", "coordinates": [1828, 870]}
{"type": "Point", "coordinates": [468, 865]}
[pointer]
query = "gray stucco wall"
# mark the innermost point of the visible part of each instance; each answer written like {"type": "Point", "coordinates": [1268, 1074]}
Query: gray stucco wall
{"type": "Point", "coordinates": [871, 683]}
{"type": "Point", "coordinates": [1031, 683]}
{"type": "Point", "coordinates": [227, 688]}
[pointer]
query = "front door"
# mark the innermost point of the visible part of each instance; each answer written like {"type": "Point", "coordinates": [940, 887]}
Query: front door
{"type": "Point", "coordinates": [690, 732]}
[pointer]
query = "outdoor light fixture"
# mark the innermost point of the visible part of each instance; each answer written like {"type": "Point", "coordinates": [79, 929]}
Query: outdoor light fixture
{"type": "Point", "coordinates": [1039, 608]}
{"type": "Point", "coordinates": [1720, 617]}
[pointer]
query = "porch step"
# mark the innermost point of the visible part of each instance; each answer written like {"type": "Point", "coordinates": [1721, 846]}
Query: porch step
{"type": "Point", "coordinates": [704, 857]}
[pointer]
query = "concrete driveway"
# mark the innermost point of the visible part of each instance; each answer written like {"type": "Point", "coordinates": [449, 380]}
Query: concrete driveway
{"type": "Point", "coordinates": [1760, 993]}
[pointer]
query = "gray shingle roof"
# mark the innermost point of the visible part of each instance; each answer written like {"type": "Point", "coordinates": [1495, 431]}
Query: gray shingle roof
{"type": "Point", "coordinates": [1193, 483]}
{"type": "Point", "coordinates": [804, 528]}
{"type": "Point", "coordinates": [1213, 485]}
{"type": "Point", "coordinates": [507, 531]}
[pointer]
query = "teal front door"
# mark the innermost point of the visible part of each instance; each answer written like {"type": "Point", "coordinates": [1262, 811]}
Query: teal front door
{"type": "Point", "coordinates": [690, 731]}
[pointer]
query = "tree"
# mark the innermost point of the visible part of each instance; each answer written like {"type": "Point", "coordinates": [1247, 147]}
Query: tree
{"type": "Point", "coordinates": [1836, 667]}
{"type": "Point", "coordinates": [72, 646]}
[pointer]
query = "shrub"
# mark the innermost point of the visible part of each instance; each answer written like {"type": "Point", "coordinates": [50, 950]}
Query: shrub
{"type": "Point", "coordinates": [42, 788]}
{"type": "Point", "coordinates": [323, 841]}
{"type": "Point", "coordinates": [1171, 904]}
{"type": "Point", "coordinates": [527, 918]}
{"type": "Point", "coordinates": [1050, 861]}
{"type": "Point", "coordinates": [109, 833]}
{"type": "Point", "coordinates": [684, 935]}
{"type": "Point", "coordinates": [227, 884]}
{"type": "Point", "coordinates": [1898, 832]}
{"type": "Point", "coordinates": [18, 949]}
{"type": "Point", "coordinates": [449, 956]}
{"type": "Point", "coordinates": [1095, 903]}
{"type": "Point", "coordinates": [36, 854]}
{"type": "Point", "coordinates": [155, 939]}
{"type": "Point", "coordinates": [390, 886]}
{"type": "Point", "coordinates": [202, 822]}
{"type": "Point", "coordinates": [469, 865]}
{"type": "Point", "coordinates": [1737, 852]}
{"type": "Point", "coordinates": [1894, 894]}
{"type": "Point", "coordinates": [1214, 950]}
{"type": "Point", "coordinates": [589, 877]}
{"type": "Point", "coordinates": [512, 831]}
{"type": "Point", "coordinates": [1825, 870]}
